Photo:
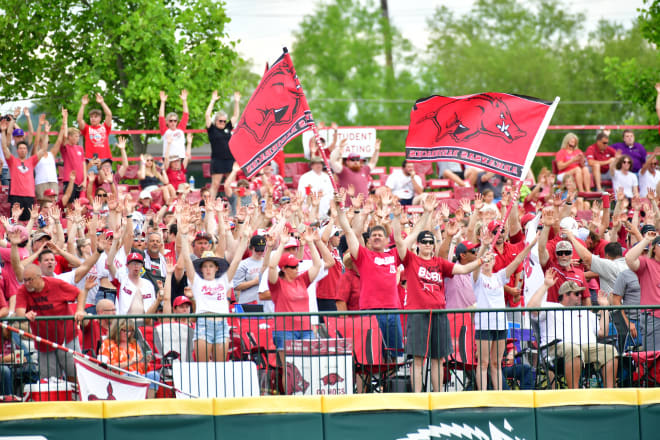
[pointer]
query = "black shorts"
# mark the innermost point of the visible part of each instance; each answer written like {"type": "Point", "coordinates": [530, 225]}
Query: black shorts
{"type": "Point", "coordinates": [75, 194]}
{"type": "Point", "coordinates": [221, 166]}
{"type": "Point", "coordinates": [490, 335]}
{"type": "Point", "coordinates": [438, 340]}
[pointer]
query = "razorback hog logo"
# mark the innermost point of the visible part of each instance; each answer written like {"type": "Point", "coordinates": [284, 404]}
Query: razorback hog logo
{"type": "Point", "coordinates": [275, 102]}
{"type": "Point", "coordinates": [109, 397]}
{"type": "Point", "coordinates": [295, 382]}
{"type": "Point", "coordinates": [464, 119]}
{"type": "Point", "coordinates": [332, 379]}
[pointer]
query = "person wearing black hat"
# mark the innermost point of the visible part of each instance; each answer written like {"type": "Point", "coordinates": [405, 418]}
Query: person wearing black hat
{"type": "Point", "coordinates": [647, 269]}
{"type": "Point", "coordinates": [210, 278]}
{"type": "Point", "coordinates": [425, 274]}
{"type": "Point", "coordinates": [248, 274]}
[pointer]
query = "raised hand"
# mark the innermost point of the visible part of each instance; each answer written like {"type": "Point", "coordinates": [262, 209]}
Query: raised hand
{"type": "Point", "coordinates": [189, 137]}
{"type": "Point", "coordinates": [548, 216]}
{"type": "Point", "coordinates": [14, 236]}
{"type": "Point", "coordinates": [26, 112]}
{"type": "Point", "coordinates": [163, 96]}
{"type": "Point", "coordinates": [84, 100]}
{"type": "Point", "coordinates": [121, 142]}
{"type": "Point", "coordinates": [357, 201]}
{"type": "Point", "coordinates": [397, 209]}
{"type": "Point", "coordinates": [99, 98]}
{"type": "Point", "coordinates": [184, 95]}
{"type": "Point", "coordinates": [237, 96]}
{"type": "Point", "coordinates": [478, 202]}
{"type": "Point", "coordinates": [90, 282]}
{"type": "Point", "coordinates": [351, 190]}
{"type": "Point", "coordinates": [16, 211]}
{"type": "Point", "coordinates": [452, 228]}
{"type": "Point", "coordinates": [550, 278]}
{"type": "Point", "coordinates": [465, 206]}
{"type": "Point", "coordinates": [42, 119]}
{"type": "Point", "coordinates": [386, 199]}
{"type": "Point", "coordinates": [444, 210]}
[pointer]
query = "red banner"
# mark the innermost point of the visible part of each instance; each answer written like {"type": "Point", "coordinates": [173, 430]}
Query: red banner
{"type": "Point", "coordinates": [276, 113]}
{"type": "Point", "coordinates": [497, 132]}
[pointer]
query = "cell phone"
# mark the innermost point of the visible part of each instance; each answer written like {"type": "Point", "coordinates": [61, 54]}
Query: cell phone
{"type": "Point", "coordinates": [95, 156]}
{"type": "Point", "coordinates": [41, 221]}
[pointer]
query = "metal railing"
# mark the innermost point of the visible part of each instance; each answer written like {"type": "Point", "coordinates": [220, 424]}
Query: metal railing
{"type": "Point", "coordinates": [245, 354]}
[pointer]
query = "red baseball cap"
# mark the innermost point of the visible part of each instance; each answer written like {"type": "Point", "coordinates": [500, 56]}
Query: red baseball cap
{"type": "Point", "coordinates": [179, 300]}
{"type": "Point", "coordinates": [288, 260]}
{"type": "Point", "coordinates": [353, 156]}
{"type": "Point", "coordinates": [50, 192]}
{"type": "Point", "coordinates": [134, 256]}
{"type": "Point", "coordinates": [494, 224]}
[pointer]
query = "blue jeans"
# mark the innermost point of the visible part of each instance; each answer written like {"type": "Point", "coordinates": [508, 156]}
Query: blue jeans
{"type": "Point", "coordinates": [522, 373]}
{"type": "Point", "coordinates": [390, 327]}
{"type": "Point", "coordinates": [7, 381]}
{"type": "Point", "coordinates": [279, 336]}
{"type": "Point", "coordinates": [4, 177]}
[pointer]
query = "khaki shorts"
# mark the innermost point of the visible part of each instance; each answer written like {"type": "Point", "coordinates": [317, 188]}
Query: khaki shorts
{"type": "Point", "coordinates": [595, 353]}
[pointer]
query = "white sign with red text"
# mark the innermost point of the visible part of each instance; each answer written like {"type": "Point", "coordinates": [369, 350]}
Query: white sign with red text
{"type": "Point", "coordinates": [319, 366]}
{"type": "Point", "coordinates": [359, 140]}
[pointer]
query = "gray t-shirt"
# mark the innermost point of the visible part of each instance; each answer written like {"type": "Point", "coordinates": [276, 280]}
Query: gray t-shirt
{"type": "Point", "coordinates": [248, 270]}
{"type": "Point", "coordinates": [627, 287]}
{"type": "Point", "coordinates": [608, 270]}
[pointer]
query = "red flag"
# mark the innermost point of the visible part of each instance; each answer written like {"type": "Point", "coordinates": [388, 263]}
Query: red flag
{"type": "Point", "coordinates": [276, 113]}
{"type": "Point", "coordinates": [497, 132]}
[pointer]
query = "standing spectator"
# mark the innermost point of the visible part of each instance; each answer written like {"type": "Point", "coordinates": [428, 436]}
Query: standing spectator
{"type": "Point", "coordinates": [96, 135]}
{"type": "Point", "coordinates": [171, 129]}
{"type": "Point", "coordinates": [43, 296]}
{"type": "Point", "coordinates": [348, 294]}
{"type": "Point", "coordinates": [490, 327]}
{"type": "Point", "coordinates": [136, 296]}
{"type": "Point", "coordinates": [459, 290]}
{"type": "Point", "coordinates": [327, 291]}
{"type": "Point", "coordinates": [600, 157]}
{"type": "Point", "coordinates": [176, 166]}
{"type": "Point", "coordinates": [21, 169]}
{"type": "Point", "coordinates": [316, 181]}
{"type": "Point", "coordinates": [4, 127]}
{"type": "Point", "coordinates": [152, 179]}
{"type": "Point", "coordinates": [570, 160]}
{"type": "Point", "coordinates": [269, 183]}
{"type": "Point", "coordinates": [632, 149]}
{"type": "Point", "coordinates": [627, 292]}
{"type": "Point", "coordinates": [624, 179]}
{"type": "Point", "coordinates": [405, 183]}
{"type": "Point", "coordinates": [248, 274]}
{"type": "Point", "coordinates": [648, 271]}
{"type": "Point", "coordinates": [350, 170]}
{"type": "Point", "coordinates": [240, 197]}
{"type": "Point", "coordinates": [219, 131]}
{"type": "Point", "coordinates": [45, 172]}
{"type": "Point", "coordinates": [72, 156]}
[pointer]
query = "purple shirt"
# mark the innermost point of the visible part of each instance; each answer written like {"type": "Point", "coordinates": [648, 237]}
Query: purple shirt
{"type": "Point", "coordinates": [637, 153]}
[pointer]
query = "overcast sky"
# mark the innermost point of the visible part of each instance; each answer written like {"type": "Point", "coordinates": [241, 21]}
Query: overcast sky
{"type": "Point", "coordinates": [265, 26]}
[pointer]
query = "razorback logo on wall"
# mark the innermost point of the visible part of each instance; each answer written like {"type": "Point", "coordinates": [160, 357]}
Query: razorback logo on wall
{"type": "Point", "coordinates": [464, 431]}
{"type": "Point", "coordinates": [493, 131]}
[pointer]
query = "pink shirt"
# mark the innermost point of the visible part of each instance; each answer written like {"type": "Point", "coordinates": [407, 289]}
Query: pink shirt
{"type": "Point", "coordinates": [22, 175]}
{"type": "Point", "coordinates": [649, 278]}
{"type": "Point", "coordinates": [74, 160]}
{"type": "Point", "coordinates": [96, 140]}
{"type": "Point", "coordinates": [291, 296]}
{"type": "Point", "coordinates": [564, 155]}
{"type": "Point", "coordinates": [459, 292]}
{"type": "Point", "coordinates": [360, 180]}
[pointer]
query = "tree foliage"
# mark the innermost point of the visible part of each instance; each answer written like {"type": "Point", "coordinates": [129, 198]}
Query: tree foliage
{"type": "Point", "coordinates": [127, 51]}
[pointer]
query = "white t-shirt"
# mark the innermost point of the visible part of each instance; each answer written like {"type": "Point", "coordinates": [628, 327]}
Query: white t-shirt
{"type": "Point", "coordinates": [317, 182]}
{"type": "Point", "coordinates": [128, 289]}
{"type": "Point", "coordinates": [178, 146]}
{"type": "Point", "coordinates": [648, 180]}
{"type": "Point", "coordinates": [625, 181]}
{"type": "Point", "coordinates": [211, 296]}
{"type": "Point", "coordinates": [402, 185]}
{"type": "Point", "coordinates": [578, 326]}
{"type": "Point", "coordinates": [45, 171]}
{"type": "Point", "coordinates": [489, 292]}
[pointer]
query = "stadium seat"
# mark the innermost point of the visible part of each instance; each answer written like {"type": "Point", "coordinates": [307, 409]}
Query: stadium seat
{"type": "Point", "coordinates": [423, 168]}
{"type": "Point", "coordinates": [464, 193]}
{"type": "Point", "coordinates": [376, 171]}
{"type": "Point", "coordinates": [438, 183]}
{"type": "Point", "coordinates": [131, 172]}
{"type": "Point", "coordinates": [206, 170]}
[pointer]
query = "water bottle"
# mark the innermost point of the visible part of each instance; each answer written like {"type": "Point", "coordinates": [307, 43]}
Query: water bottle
{"type": "Point", "coordinates": [191, 182]}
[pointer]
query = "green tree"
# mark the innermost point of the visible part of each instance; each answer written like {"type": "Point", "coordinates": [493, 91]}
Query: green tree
{"type": "Point", "coordinates": [340, 57]}
{"type": "Point", "coordinates": [127, 51]}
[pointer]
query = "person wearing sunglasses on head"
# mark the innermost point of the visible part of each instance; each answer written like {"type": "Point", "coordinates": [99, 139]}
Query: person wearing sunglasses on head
{"type": "Point", "coordinates": [624, 178]}
{"type": "Point", "coordinates": [172, 128]}
{"type": "Point", "coordinates": [425, 273]}
{"type": "Point", "coordinates": [219, 128]}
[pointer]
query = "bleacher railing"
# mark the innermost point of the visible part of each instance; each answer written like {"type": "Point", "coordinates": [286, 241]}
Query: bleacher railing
{"type": "Point", "coordinates": [349, 352]}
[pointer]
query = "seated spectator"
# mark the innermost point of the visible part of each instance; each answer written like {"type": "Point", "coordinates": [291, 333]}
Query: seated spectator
{"type": "Point", "coordinates": [600, 157]}
{"type": "Point", "coordinates": [624, 179]}
{"type": "Point", "coordinates": [634, 150]}
{"type": "Point", "coordinates": [96, 135]}
{"type": "Point", "coordinates": [95, 331]}
{"type": "Point", "coordinates": [176, 166]}
{"type": "Point", "coordinates": [105, 178]}
{"type": "Point", "coordinates": [405, 183]}
{"type": "Point", "coordinates": [571, 161]}
{"type": "Point", "coordinates": [172, 130]}
{"type": "Point", "coordinates": [454, 172]}
{"type": "Point", "coordinates": [153, 179]}
{"type": "Point", "coordinates": [577, 332]}
{"type": "Point", "coordinates": [490, 181]}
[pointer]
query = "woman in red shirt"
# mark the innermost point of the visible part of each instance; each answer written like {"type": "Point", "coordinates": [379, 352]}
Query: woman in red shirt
{"type": "Point", "coordinates": [571, 160]}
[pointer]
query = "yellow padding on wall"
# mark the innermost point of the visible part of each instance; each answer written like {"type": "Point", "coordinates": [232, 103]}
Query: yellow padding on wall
{"type": "Point", "coordinates": [376, 402]}
{"type": "Point", "coordinates": [154, 407]}
{"type": "Point", "coordinates": [585, 397]}
{"type": "Point", "coordinates": [267, 405]}
{"type": "Point", "coordinates": [46, 410]}
{"type": "Point", "coordinates": [476, 399]}
{"type": "Point", "coordinates": [648, 396]}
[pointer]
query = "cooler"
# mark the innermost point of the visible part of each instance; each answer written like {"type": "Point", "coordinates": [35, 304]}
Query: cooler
{"type": "Point", "coordinates": [49, 390]}
{"type": "Point", "coordinates": [319, 366]}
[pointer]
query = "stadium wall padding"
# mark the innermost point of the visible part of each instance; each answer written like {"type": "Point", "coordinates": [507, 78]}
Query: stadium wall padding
{"type": "Point", "coordinates": [516, 415]}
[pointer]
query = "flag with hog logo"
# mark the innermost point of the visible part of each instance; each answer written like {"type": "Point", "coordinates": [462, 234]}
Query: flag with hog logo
{"type": "Point", "coordinates": [97, 383]}
{"type": "Point", "coordinates": [496, 132]}
{"type": "Point", "coordinates": [276, 113]}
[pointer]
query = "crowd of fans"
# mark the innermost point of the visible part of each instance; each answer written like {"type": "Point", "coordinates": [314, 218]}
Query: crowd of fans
{"type": "Point", "coordinates": [82, 243]}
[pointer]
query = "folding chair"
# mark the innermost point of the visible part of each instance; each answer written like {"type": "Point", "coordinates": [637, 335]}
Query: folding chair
{"type": "Point", "coordinates": [546, 363]}
{"type": "Point", "coordinates": [461, 329]}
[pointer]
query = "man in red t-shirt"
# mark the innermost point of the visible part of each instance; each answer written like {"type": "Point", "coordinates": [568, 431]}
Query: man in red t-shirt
{"type": "Point", "coordinates": [21, 171]}
{"type": "Point", "coordinates": [43, 296]}
{"type": "Point", "coordinates": [600, 156]}
{"type": "Point", "coordinates": [377, 267]}
{"type": "Point", "coordinates": [96, 135]}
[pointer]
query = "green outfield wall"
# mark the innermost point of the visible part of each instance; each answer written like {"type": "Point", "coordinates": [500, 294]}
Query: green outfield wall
{"type": "Point", "coordinates": [568, 414]}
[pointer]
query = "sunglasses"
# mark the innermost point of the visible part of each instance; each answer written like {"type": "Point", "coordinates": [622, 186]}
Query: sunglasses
{"type": "Point", "coordinates": [564, 253]}
{"type": "Point", "coordinates": [626, 161]}
{"type": "Point", "coordinates": [222, 120]}
{"type": "Point", "coordinates": [427, 242]}
{"type": "Point", "coordinates": [291, 267]}
{"type": "Point", "coordinates": [473, 251]}
{"type": "Point", "coordinates": [102, 195]}
{"type": "Point", "coordinates": [173, 120]}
